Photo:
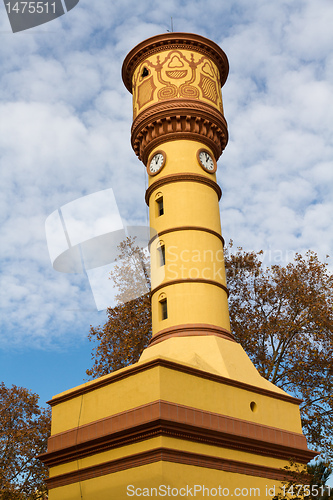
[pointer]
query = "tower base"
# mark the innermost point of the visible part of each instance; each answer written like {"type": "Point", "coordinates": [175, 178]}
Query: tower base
{"type": "Point", "coordinates": [203, 423]}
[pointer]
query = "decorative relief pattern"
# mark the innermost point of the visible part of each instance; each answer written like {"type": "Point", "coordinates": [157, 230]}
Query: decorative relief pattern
{"type": "Point", "coordinates": [146, 92]}
{"type": "Point", "coordinates": [176, 74]}
{"type": "Point", "coordinates": [208, 88]}
{"type": "Point", "coordinates": [175, 41]}
{"type": "Point", "coordinates": [168, 92]}
{"type": "Point", "coordinates": [179, 119]}
{"type": "Point", "coordinates": [189, 91]}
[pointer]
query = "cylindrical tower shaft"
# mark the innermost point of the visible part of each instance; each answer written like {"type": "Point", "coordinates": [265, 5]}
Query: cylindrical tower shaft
{"type": "Point", "coordinates": [179, 132]}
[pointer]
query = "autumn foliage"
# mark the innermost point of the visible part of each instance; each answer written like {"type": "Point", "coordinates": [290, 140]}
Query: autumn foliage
{"type": "Point", "coordinates": [281, 315]}
{"type": "Point", "coordinates": [306, 482]}
{"type": "Point", "coordinates": [24, 429]}
{"type": "Point", "coordinates": [283, 318]}
{"type": "Point", "coordinates": [128, 328]}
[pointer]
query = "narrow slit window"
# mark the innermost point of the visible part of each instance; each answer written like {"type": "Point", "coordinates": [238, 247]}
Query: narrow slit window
{"type": "Point", "coordinates": [160, 206]}
{"type": "Point", "coordinates": [161, 251]}
{"type": "Point", "coordinates": [164, 309]}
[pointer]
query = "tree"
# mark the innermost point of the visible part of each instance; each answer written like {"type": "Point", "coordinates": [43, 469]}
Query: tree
{"type": "Point", "coordinates": [306, 482]}
{"type": "Point", "coordinates": [281, 315]}
{"type": "Point", "coordinates": [24, 429]}
{"type": "Point", "coordinates": [127, 331]}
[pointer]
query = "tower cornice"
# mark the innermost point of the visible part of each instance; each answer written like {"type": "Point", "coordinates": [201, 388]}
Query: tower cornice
{"type": "Point", "coordinates": [179, 119]}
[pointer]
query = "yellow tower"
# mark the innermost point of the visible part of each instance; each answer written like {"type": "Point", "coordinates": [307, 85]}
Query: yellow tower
{"type": "Point", "coordinates": [179, 132]}
{"type": "Point", "coordinates": [193, 418]}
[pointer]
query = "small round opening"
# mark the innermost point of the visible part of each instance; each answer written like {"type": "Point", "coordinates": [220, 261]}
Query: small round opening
{"type": "Point", "coordinates": [145, 72]}
{"type": "Point", "coordinates": [253, 406]}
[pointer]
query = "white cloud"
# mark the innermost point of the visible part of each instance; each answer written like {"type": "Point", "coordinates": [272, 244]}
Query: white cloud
{"type": "Point", "coordinates": [65, 133]}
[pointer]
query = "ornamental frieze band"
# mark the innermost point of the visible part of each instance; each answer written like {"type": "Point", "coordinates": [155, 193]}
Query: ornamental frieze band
{"type": "Point", "coordinates": [178, 75]}
{"type": "Point", "coordinates": [176, 119]}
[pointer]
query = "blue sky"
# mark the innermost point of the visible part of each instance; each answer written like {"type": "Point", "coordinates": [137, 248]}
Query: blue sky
{"type": "Point", "coordinates": [65, 119]}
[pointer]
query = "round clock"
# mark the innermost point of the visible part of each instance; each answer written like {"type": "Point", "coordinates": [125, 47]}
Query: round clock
{"type": "Point", "coordinates": [156, 163]}
{"type": "Point", "coordinates": [207, 162]}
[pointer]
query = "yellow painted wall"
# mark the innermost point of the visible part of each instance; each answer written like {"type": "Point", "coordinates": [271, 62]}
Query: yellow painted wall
{"type": "Point", "coordinates": [190, 254]}
{"type": "Point", "coordinates": [107, 400]}
{"type": "Point", "coordinates": [191, 303]}
{"type": "Point", "coordinates": [181, 158]}
{"type": "Point", "coordinates": [227, 400]}
{"type": "Point", "coordinates": [186, 203]}
{"type": "Point", "coordinates": [178, 478]}
{"type": "Point", "coordinates": [186, 211]}
{"type": "Point", "coordinates": [163, 383]}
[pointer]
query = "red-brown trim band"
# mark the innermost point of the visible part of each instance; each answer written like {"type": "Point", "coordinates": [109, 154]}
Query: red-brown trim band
{"type": "Point", "coordinates": [189, 280]}
{"type": "Point", "coordinates": [168, 455]}
{"type": "Point", "coordinates": [171, 365]}
{"type": "Point", "coordinates": [187, 228]}
{"type": "Point", "coordinates": [191, 330]}
{"type": "Point", "coordinates": [163, 418]}
{"type": "Point", "coordinates": [179, 109]}
{"type": "Point", "coordinates": [168, 179]}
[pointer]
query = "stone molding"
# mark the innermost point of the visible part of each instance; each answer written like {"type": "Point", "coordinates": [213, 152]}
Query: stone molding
{"type": "Point", "coordinates": [162, 418]}
{"type": "Point", "coordinates": [191, 330]}
{"type": "Point", "coordinates": [177, 119]}
{"type": "Point", "coordinates": [189, 280]}
{"type": "Point", "coordinates": [168, 455]}
{"type": "Point", "coordinates": [187, 228]}
{"type": "Point", "coordinates": [182, 177]}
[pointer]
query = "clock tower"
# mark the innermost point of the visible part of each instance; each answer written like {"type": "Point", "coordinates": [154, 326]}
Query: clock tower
{"type": "Point", "coordinates": [193, 417]}
{"type": "Point", "coordinates": [179, 132]}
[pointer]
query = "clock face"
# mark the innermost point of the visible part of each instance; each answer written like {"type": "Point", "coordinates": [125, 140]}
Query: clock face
{"type": "Point", "coordinates": [206, 161]}
{"type": "Point", "coordinates": [156, 163]}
